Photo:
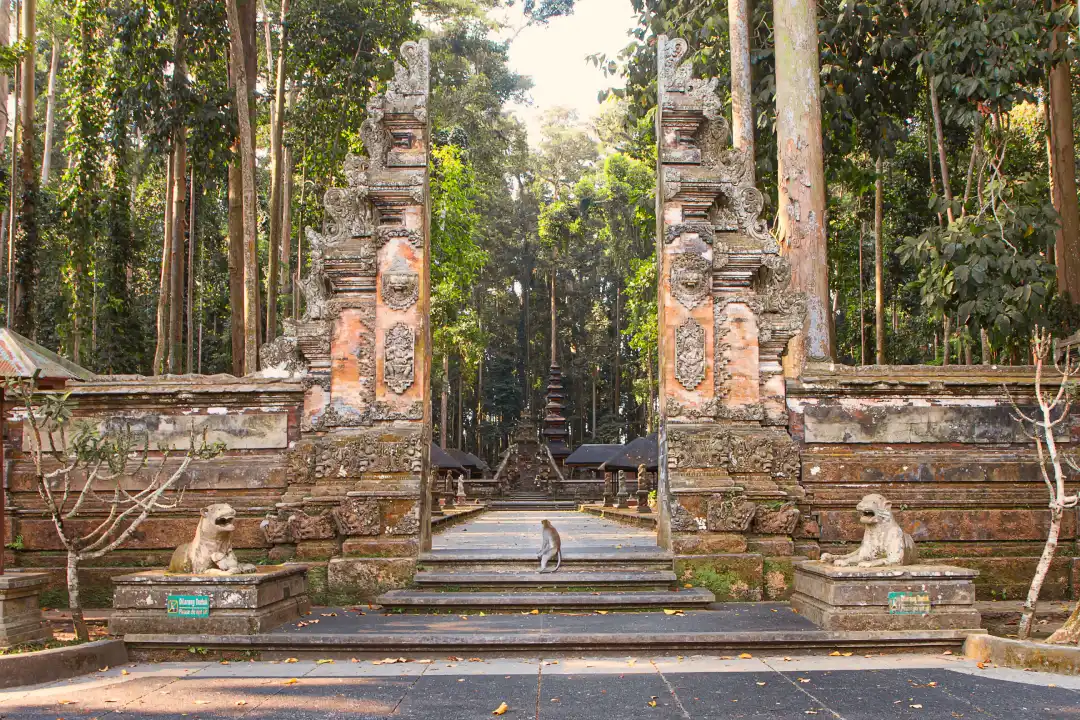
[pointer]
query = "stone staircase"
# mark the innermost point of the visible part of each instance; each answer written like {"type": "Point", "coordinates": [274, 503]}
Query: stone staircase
{"type": "Point", "coordinates": [589, 579]}
{"type": "Point", "coordinates": [531, 500]}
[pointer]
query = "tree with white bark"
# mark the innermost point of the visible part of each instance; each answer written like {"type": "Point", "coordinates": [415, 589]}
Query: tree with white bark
{"type": "Point", "coordinates": [97, 487]}
{"type": "Point", "coordinates": [1042, 425]}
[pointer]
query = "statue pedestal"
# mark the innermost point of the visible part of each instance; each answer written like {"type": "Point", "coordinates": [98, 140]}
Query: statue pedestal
{"type": "Point", "coordinates": [20, 611]}
{"type": "Point", "coordinates": [237, 604]}
{"type": "Point", "coordinates": [898, 597]}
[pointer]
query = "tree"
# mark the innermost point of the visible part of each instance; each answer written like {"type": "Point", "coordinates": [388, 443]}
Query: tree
{"type": "Point", "coordinates": [97, 488]}
{"type": "Point", "coordinates": [1062, 152]}
{"type": "Point", "coordinates": [26, 245]}
{"type": "Point", "coordinates": [277, 182]}
{"type": "Point", "coordinates": [801, 174]}
{"type": "Point", "coordinates": [1041, 425]}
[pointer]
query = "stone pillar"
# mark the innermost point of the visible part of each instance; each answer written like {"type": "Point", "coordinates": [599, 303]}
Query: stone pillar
{"type": "Point", "coordinates": [20, 609]}
{"type": "Point", "coordinates": [365, 342]}
{"type": "Point", "coordinates": [725, 316]}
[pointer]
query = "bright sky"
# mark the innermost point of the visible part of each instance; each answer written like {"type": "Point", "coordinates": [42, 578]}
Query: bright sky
{"type": "Point", "coordinates": [553, 55]}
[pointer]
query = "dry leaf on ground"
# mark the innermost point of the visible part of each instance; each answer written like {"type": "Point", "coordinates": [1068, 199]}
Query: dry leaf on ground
{"type": "Point", "coordinates": [501, 710]}
{"type": "Point", "coordinates": [745, 656]}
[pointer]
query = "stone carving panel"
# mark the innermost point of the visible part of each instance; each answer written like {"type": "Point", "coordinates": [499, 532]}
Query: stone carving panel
{"type": "Point", "coordinates": [357, 517]}
{"type": "Point", "coordinates": [690, 278]}
{"type": "Point", "coordinates": [690, 354]}
{"type": "Point", "coordinates": [728, 512]}
{"type": "Point", "coordinates": [312, 527]}
{"type": "Point", "coordinates": [313, 460]}
{"type": "Point", "coordinates": [399, 350]}
{"type": "Point", "coordinates": [400, 285]}
{"type": "Point", "coordinates": [777, 520]}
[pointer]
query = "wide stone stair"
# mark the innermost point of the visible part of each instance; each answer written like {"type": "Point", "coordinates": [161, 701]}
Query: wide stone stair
{"type": "Point", "coordinates": [589, 579]}
{"type": "Point", "coordinates": [531, 500]}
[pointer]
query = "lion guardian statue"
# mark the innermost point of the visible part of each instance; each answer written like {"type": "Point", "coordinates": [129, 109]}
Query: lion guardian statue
{"type": "Point", "coordinates": [211, 551]}
{"type": "Point", "coordinates": [884, 541]}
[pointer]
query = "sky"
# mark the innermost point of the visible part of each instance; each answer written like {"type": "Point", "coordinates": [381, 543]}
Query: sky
{"type": "Point", "coordinates": [553, 55]}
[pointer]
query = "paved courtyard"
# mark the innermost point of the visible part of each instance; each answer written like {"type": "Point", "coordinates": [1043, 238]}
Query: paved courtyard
{"type": "Point", "coordinates": [773, 688]}
{"type": "Point", "coordinates": [520, 530]}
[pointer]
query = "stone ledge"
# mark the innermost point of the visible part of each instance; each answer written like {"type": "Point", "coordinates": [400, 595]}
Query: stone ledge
{"type": "Point", "coordinates": [44, 666]}
{"type": "Point", "coordinates": [1023, 654]}
{"type": "Point", "coordinates": [626, 517]}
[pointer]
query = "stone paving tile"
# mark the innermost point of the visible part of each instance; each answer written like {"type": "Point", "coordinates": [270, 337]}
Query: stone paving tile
{"type": "Point", "coordinates": [327, 697]}
{"type": "Point", "coordinates": [625, 697]}
{"type": "Point", "coordinates": [738, 695]}
{"type": "Point", "coordinates": [520, 530]}
{"type": "Point", "coordinates": [449, 698]}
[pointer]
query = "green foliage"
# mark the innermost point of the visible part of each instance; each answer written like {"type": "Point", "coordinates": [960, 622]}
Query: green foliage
{"type": "Point", "coordinates": [989, 269]}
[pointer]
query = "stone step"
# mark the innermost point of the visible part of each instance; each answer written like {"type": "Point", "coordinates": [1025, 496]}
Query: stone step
{"type": "Point", "coordinates": [426, 600]}
{"type": "Point", "coordinates": [516, 579]}
{"type": "Point", "coordinates": [532, 505]}
{"type": "Point", "coordinates": [580, 559]}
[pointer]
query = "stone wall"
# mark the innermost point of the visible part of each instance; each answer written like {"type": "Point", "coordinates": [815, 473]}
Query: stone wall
{"type": "Point", "coordinates": [256, 419]}
{"type": "Point", "coordinates": [941, 444]}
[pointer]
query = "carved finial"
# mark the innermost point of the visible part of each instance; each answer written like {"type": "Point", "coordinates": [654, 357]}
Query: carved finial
{"type": "Point", "coordinates": [673, 75]}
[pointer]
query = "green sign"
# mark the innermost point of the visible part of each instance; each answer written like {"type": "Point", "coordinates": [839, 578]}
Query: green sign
{"type": "Point", "coordinates": [190, 606]}
{"type": "Point", "coordinates": [909, 603]}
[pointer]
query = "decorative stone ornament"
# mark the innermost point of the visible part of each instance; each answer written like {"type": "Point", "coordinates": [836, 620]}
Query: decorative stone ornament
{"type": "Point", "coordinates": [690, 353]}
{"type": "Point", "coordinates": [398, 357]}
{"type": "Point", "coordinates": [400, 285]}
{"type": "Point", "coordinates": [690, 277]}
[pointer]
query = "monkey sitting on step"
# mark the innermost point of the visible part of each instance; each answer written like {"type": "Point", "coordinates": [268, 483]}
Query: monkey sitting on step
{"type": "Point", "coordinates": [550, 546]}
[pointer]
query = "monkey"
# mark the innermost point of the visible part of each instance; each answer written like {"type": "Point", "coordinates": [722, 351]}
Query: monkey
{"type": "Point", "coordinates": [550, 546]}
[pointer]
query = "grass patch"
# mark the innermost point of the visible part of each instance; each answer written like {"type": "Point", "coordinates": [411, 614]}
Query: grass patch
{"type": "Point", "coordinates": [35, 647]}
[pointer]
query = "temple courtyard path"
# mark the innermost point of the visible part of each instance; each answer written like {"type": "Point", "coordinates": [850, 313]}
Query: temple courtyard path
{"type": "Point", "coordinates": [582, 688]}
{"type": "Point", "coordinates": [520, 530]}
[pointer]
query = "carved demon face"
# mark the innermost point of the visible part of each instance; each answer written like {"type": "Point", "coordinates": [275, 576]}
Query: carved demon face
{"type": "Point", "coordinates": [874, 509]}
{"type": "Point", "coordinates": [689, 278]}
{"type": "Point", "coordinates": [400, 286]}
{"type": "Point", "coordinates": [218, 518]}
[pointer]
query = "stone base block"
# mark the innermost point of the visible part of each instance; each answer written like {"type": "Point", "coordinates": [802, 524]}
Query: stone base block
{"type": "Point", "coordinates": [732, 577]}
{"type": "Point", "coordinates": [239, 604]}
{"type": "Point", "coordinates": [364, 579]}
{"type": "Point", "coordinates": [20, 609]}
{"type": "Point", "coordinates": [852, 598]}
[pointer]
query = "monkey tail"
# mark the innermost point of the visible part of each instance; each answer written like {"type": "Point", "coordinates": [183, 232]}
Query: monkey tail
{"type": "Point", "coordinates": [558, 560]}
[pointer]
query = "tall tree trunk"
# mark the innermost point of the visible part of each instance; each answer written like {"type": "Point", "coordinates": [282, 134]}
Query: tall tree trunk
{"type": "Point", "coordinates": [742, 95]}
{"type": "Point", "coordinates": [50, 112]}
{"type": "Point", "coordinates": [862, 302]}
{"type": "Point", "coordinates": [13, 191]}
{"type": "Point", "coordinates": [946, 333]}
{"type": "Point", "coordinates": [596, 370]}
{"type": "Point", "coordinates": [286, 232]}
{"type": "Point", "coordinates": [242, 82]}
{"type": "Point", "coordinates": [617, 377]}
{"type": "Point", "coordinates": [444, 419]}
{"type": "Point", "coordinates": [191, 279]}
{"type": "Point", "coordinates": [5, 40]}
{"type": "Point", "coordinates": [1027, 616]}
{"type": "Point", "coordinates": [236, 265]}
{"type": "Point", "coordinates": [179, 198]}
{"type": "Point", "coordinates": [801, 175]}
{"type": "Point", "coordinates": [554, 328]}
{"type": "Point", "coordinates": [460, 406]}
{"type": "Point", "coordinates": [277, 172]}
{"type": "Point", "coordinates": [879, 263]}
{"type": "Point", "coordinates": [161, 348]}
{"type": "Point", "coordinates": [1063, 173]}
{"type": "Point", "coordinates": [26, 251]}
{"type": "Point", "coordinates": [943, 159]}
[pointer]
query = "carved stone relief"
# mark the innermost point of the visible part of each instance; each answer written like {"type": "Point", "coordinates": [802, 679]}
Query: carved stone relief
{"type": "Point", "coordinates": [409, 524]}
{"type": "Point", "coordinates": [313, 460]}
{"type": "Point", "coordinates": [399, 348]}
{"type": "Point", "coordinates": [282, 354]}
{"type": "Point", "coordinates": [276, 529]}
{"type": "Point", "coordinates": [728, 512]}
{"type": "Point", "coordinates": [400, 285]}
{"type": "Point", "coordinates": [776, 521]}
{"type": "Point", "coordinates": [690, 278]}
{"type": "Point", "coordinates": [690, 353]}
{"type": "Point", "coordinates": [377, 139]}
{"type": "Point", "coordinates": [312, 527]}
{"type": "Point", "coordinates": [358, 517]}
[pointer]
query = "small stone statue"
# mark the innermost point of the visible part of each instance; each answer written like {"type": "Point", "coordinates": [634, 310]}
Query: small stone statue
{"type": "Point", "coordinates": [884, 541]}
{"type": "Point", "coordinates": [461, 487]}
{"type": "Point", "coordinates": [211, 551]}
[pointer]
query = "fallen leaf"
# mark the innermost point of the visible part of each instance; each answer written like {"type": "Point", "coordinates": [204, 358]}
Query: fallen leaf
{"type": "Point", "coordinates": [602, 612]}
{"type": "Point", "coordinates": [329, 614]}
{"type": "Point", "coordinates": [804, 680]}
{"type": "Point", "coordinates": [761, 683]}
{"type": "Point", "coordinates": [353, 660]}
{"type": "Point", "coordinates": [652, 703]}
{"type": "Point", "coordinates": [847, 654]}
{"type": "Point", "coordinates": [324, 661]}
{"type": "Point", "coordinates": [425, 662]}
{"type": "Point", "coordinates": [291, 660]}
{"type": "Point", "coordinates": [104, 669]}
{"type": "Point", "coordinates": [475, 660]}
{"type": "Point", "coordinates": [947, 652]}
{"type": "Point", "coordinates": [124, 672]}
{"type": "Point", "coordinates": [834, 653]}
{"type": "Point", "coordinates": [67, 702]}
{"type": "Point", "coordinates": [916, 706]}
{"type": "Point", "coordinates": [1047, 685]}
{"type": "Point", "coordinates": [787, 659]}
{"type": "Point", "coordinates": [290, 681]}
{"type": "Point", "coordinates": [688, 586]}
{"type": "Point", "coordinates": [482, 613]}
{"type": "Point", "coordinates": [534, 612]}
{"type": "Point", "coordinates": [672, 612]}
{"type": "Point", "coordinates": [745, 656]}
{"type": "Point", "coordinates": [203, 702]}
{"type": "Point", "coordinates": [810, 712]}
{"type": "Point", "coordinates": [224, 662]}
{"type": "Point", "coordinates": [241, 702]}
{"type": "Point", "coordinates": [980, 665]}
{"type": "Point", "coordinates": [501, 710]}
